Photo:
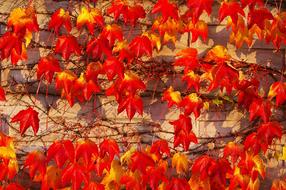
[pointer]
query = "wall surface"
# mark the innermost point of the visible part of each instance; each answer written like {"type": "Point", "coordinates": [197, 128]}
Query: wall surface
{"type": "Point", "coordinates": [98, 119]}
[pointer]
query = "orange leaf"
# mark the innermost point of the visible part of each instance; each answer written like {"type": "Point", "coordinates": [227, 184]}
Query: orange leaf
{"type": "Point", "coordinates": [180, 162]}
{"type": "Point", "coordinates": [278, 90]}
{"type": "Point", "coordinates": [89, 17]}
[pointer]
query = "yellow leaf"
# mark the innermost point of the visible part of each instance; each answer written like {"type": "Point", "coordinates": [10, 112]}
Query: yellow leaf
{"type": "Point", "coordinates": [283, 156]}
{"type": "Point", "coordinates": [125, 158]}
{"type": "Point", "coordinates": [113, 176]}
{"type": "Point", "coordinates": [217, 54]}
{"type": "Point", "coordinates": [180, 162]}
{"type": "Point", "coordinates": [7, 153]}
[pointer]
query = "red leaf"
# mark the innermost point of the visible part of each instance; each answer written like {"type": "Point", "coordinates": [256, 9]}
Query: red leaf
{"type": "Point", "coordinates": [267, 132]}
{"type": "Point", "coordinates": [112, 33]}
{"type": "Point", "coordinates": [66, 45]}
{"type": "Point", "coordinates": [192, 79]}
{"type": "Point", "coordinates": [74, 174]}
{"type": "Point", "coordinates": [36, 162]}
{"type": "Point", "coordinates": [178, 184]}
{"type": "Point", "coordinates": [109, 147]}
{"type": "Point", "coordinates": [172, 97]}
{"type": "Point", "coordinates": [140, 161]}
{"type": "Point", "coordinates": [92, 71]}
{"type": "Point", "coordinates": [94, 186]}
{"type": "Point", "coordinates": [251, 3]}
{"type": "Point", "coordinates": [200, 28]}
{"type": "Point", "coordinates": [260, 108]}
{"type": "Point", "coordinates": [47, 66]}
{"type": "Point", "coordinates": [188, 59]}
{"type": "Point", "coordinates": [131, 83]}
{"type": "Point", "coordinates": [132, 14]}
{"type": "Point", "coordinates": [233, 150]}
{"type": "Point", "coordinates": [183, 123]}
{"type": "Point", "coordinates": [159, 147]}
{"type": "Point", "coordinates": [253, 143]}
{"type": "Point", "coordinates": [184, 138]}
{"type": "Point", "coordinates": [204, 166]}
{"type": "Point", "coordinates": [2, 94]}
{"type": "Point", "coordinates": [113, 67]}
{"type": "Point", "coordinates": [199, 6]}
{"type": "Point", "coordinates": [10, 43]}
{"type": "Point", "coordinates": [247, 92]}
{"type": "Point", "coordinates": [117, 7]}
{"type": "Point", "coordinates": [60, 18]}
{"type": "Point", "coordinates": [87, 150]}
{"type": "Point", "coordinates": [98, 47]}
{"type": "Point", "coordinates": [258, 17]}
{"type": "Point", "coordinates": [141, 45]}
{"type": "Point", "coordinates": [89, 17]}
{"type": "Point", "coordinates": [23, 20]}
{"type": "Point", "coordinates": [131, 182]}
{"type": "Point", "coordinates": [278, 90]}
{"type": "Point", "coordinates": [167, 9]}
{"type": "Point", "coordinates": [131, 104]}
{"type": "Point", "coordinates": [192, 104]}
{"type": "Point", "coordinates": [14, 186]}
{"type": "Point", "coordinates": [27, 118]}
{"type": "Point", "coordinates": [231, 9]}
{"type": "Point", "coordinates": [61, 151]}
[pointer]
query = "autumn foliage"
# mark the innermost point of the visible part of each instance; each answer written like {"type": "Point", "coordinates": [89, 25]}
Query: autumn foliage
{"type": "Point", "coordinates": [95, 38]}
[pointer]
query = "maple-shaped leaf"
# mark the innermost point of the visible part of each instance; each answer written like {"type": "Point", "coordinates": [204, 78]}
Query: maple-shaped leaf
{"type": "Point", "coordinates": [172, 97]}
{"type": "Point", "coordinates": [155, 40]}
{"type": "Point", "coordinates": [36, 162]}
{"type": "Point", "coordinates": [258, 17]}
{"type": "Point", "coordinates": [15, 57]}
{"type": "Point", "coordinates": [10, 43]}
{"type": "Point", "coordinates": [184, 138]}
{"type": "Point", "coordinates": [99, 47]}
{"type": "Point", "coordinates": [112, 177]}
{"type": "Point", "coordinates": [28, 117]}
{"type": "Point", "coordinates": [156, 175]}
{"type": "Point", "coordinates": [113, 67]}
{"type": "Point", "coordinates": [84, 89]}
{"type": "Point", "coordinates": [117, 8]}
{"type": "Point", "coordinates": [94, 186]}
{"type": "Point", "coordinates": [252, 3]}
{"type": "Point", "coordinates": [92, 71]}
{"type": "Point", "coordinates": [192, 79]}
{"type": "Point", "coordinates": [180, 162]}
{"type": "Point", "coordinates": [192, 104]}
{"type": "Point", "coordinates": [112, 33]}
{"type": "Point", "coordinates": [74, 174]}
{"type": "Point", "coordinates": [252, 142]}
{"type": "Point", "coordinates": [109, 147]}
{"type": "Point", "coordinates": [89, 17]}
{"type": "Point", "coordinates": [278, 90]}
{"type": "Point", "coordinates": [141, 45]}
{"type": "Point", "coordinates": [267, 132]}
{"type": "Point", "coordinates": [188, 59]}
{"type": "Point", "coordinates": [61, 151]}
{"type": "Point", "coordinates": [47, 66]}
{"type": "Point", "coordinates": [167, 10]}
{"type": "Point", "coordinates": [65, 81]}
{"type": "Point", "coordinates": [124, 53]}
{"type": "Point", "coordinates": [233, 150]}
{"type": "Point", "coordinates": [247, 92]}
{"type": "Point", "coordinates": [131, 83]}
{"type": "Point", "coordinates": [183, 123]}
{"type": "Point", "coordinates": [178, 184]}
{"type": "Point", "coordinates": [52, 178]}
{"type": "Point", "coordinates": [199, 6]}
{"type": "Point", "coordinates": [2, 94]}
{"type": "Point", "coordinates": [22, 19]}
{"type": "Point", "coordinates": [133, 13]}
{"type": "Point", "coordinates": [159, 147]}
{"type": "Point", "coordinates": [87, 150]}
{"type": "Point", "coordinates": [222, 75]}
{"type": "Point", "coordinates": [231, 9]}
{"type": "Point", "coordinates": [140, 161]}
{"type": "Point", "coordinates": [60, 18]}
{"type": "Point", "coordinates": [131, 182]}
{"type": "Point", "coordinates": [260, 108]}
{"type": "Point", "coordinates": [204, 166]}
{"type": "Point", "coordinates": [200, 28]}
{"type": "Point", "coordinates": [217, 54]}
{"type": "Point", "coordinates": [67, 45]}
{"type": "Point", "coordinates": [131, 104]}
